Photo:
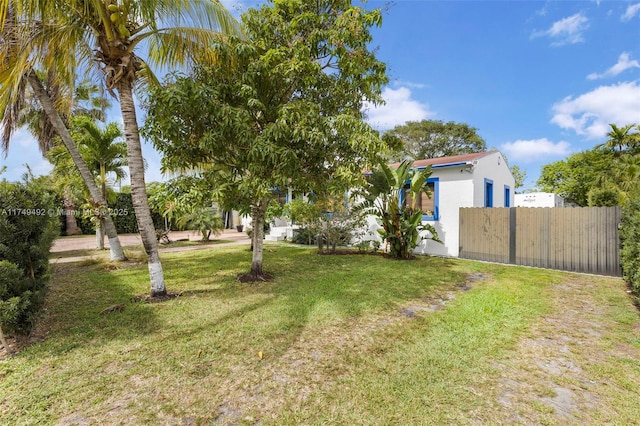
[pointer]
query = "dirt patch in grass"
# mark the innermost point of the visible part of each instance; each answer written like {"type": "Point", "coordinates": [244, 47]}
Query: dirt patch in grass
{"type": "Point", "coordinates": [316, 360]}
{"type": "Point", "coordinates": [253, 278]}
{"type": "Point", "coordinates": [148, 298]}
{"type": "Point", "coordinates": [554, 375]}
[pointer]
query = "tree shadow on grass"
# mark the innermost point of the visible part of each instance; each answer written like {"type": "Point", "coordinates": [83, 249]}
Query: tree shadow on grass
{"type": "Point", "coordinates": [79, 308]}
{"type": "Point", "coordinates": [308, 290]}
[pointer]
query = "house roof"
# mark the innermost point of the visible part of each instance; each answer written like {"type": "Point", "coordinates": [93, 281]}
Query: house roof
{"type": "Point", "coordinates": [454, 160]}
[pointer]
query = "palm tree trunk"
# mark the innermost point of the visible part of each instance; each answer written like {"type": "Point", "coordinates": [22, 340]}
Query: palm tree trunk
{"type": "Point", "coordinates": [138, 188]}
{"type": "Point", "coordinates": [100, 234]}
{"type": "Point", "coordinates": [63, 132]}
{"type": "Point", "coordinates": [70, 217]}
{"type": "Point", "coordinates": [100, 224]}
{"type": "Point", "coordinates": [258, 212]}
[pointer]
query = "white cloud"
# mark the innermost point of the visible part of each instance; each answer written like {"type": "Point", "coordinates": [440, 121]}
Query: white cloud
{"type": "Point", "coordinates": [590, 114]}
{"type": "Point", "coordinates": [565, 31]}
{"type": "Point", "coordinates": [408, 84]}
{"type": "Point", "coordinates": [632, 10]}
{"type": "Point", "coordinates": [398, 109]}
{"type": "Point", "coordinates": [532, 150]}
{"type": "Point", "coordinates": [624, 63]}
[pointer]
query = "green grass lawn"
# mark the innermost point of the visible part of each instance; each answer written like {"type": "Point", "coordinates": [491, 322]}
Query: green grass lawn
{"type": "Point", "coordinates": [350, 339]}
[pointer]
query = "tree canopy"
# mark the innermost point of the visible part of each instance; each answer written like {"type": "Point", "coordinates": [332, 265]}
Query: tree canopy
{"type": "Point", "coordinates": [608, 174]}
{"type": "Point", "coordinates": [435, 138]}
{"type": "Point", "coordinates": [116, 43]}
{"type": "Point", "coordinates": [283, 110]}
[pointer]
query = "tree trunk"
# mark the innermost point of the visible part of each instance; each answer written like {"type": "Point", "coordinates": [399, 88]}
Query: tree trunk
{"type": "Point", "coordinates": [5, 345]}
{"type": "Point", "coordinates": [100, 235]}
{"type": "Point", "coordinates": [70, 217]}
{"type": "Point", "coordinates": [138, 188]}
{"type": "Point", "coordinates": [87, 177]}
{"type": "Point", "coordinates": [258, 212]}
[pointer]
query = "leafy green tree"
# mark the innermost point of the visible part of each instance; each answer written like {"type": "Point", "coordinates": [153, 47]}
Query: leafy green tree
{"type": "Point", "coordinates": [599, 176]}
{"type": "Point", "coordinates": [434, 138]}
{"type": "Point", "coordinates": [106, 40]}
{"type": "Point", "coordinates": [392, 195]}
{"type": "Point", "coordinates": [575, 176]}
{"type": "Point", "coordinates": [519, 175]}
{"type": "Point", "coordinates": [182, 199]}
{"type": "Point", "coordinates": [281, 111]}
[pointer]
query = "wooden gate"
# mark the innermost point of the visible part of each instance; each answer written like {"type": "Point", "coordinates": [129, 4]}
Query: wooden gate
{"type": "Point", "coordinates": [578, 239]}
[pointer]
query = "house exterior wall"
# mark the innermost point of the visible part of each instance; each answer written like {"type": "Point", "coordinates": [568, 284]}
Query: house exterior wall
{"type": "Point", "coordinates": [455, 190]}
{"type": "Point", "coordinates": [463, 186]}
{"type": "Point", "coordinates": [494, 168]}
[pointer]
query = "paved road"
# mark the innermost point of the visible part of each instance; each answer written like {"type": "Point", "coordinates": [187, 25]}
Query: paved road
{"type": "Point", "coordinates": [89, 242]}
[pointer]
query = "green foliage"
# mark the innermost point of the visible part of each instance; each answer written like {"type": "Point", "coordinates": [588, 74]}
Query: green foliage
{"type": "Point", "coordinates": [331, 219]}
{"type": "Point", "coordinates": [614, 166]}
{"type": "Point", "coordinates": [14, 296]}
{"type": "Point", "coordinates": [434, 138]}
{"type": "Point", "coordinates": [368, 246]}
{"type": "Point", "coordinates": [630, 245]}
{"type": "Point", "coordinates": [304, 236]}
{"type": "Point", "coordinates": [27, 231]}
{"type": "Point", "coordinates": [205, 220]}
{"type": "Point", "coordinates": [124, 215]}
{"type": "Point", "coordinates": [575, 176]}
{"type": "Point", "coordinates": [519, 175]}
{"type": "Point", "coordinates": [283, 111]}
{"type": "Point", "coordinates": [385, 197]}
{"type": "Point", "coordinates": [302, 212]}
{"type": "Point", "coordinates": [604, 197]}
{"type": "Point", "coordinates": [341, 226]}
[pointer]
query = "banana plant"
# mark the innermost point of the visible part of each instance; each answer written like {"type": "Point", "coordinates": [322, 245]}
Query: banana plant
{"type": "Point", "coordinates": [401, 222]}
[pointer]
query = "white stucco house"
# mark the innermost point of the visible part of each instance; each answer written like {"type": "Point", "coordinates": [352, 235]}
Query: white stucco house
{"type": "Point", "coordinates": [538, 199]}
{"type": "Point", "coordinates": [471, 180]}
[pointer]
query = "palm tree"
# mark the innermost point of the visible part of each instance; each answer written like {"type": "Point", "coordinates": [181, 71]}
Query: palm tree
{"type": "Point", "coordinates": [96, 32]}
{"type": "Point", "coordinates": [87, 101]}
{"type": "Point", "coordinates": [17, 72]}
{"type": "Point", "coordinates": [619, 138]}
{"type": "Point", "coordinates": [103, 155]}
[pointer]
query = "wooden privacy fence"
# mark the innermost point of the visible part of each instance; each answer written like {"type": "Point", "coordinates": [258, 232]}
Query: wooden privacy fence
{"type": "Point", "coordinates": [579, 239]}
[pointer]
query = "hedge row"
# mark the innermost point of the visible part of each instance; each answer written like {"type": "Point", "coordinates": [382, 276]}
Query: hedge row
{"type": "Point", "coordinates": [27, 231]}
{"type": "Point", "coordinates": [124, 217]}
{"type": "Point", "coordinates": [630, 240]}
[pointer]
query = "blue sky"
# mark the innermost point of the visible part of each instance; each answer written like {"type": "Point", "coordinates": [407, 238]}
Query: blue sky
{"type": "Point", "coordinates": [539, 80]}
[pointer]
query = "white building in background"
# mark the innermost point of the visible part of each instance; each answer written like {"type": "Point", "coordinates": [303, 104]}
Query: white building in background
{"type": "Point", "coordinates": [538, 199]}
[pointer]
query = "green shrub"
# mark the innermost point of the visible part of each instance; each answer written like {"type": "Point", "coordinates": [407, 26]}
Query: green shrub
{"type": "Point", "coordinates": [630, 245]}
{"type": "Point", "coordinates": [124, 216]}
{"type": "Point", "coordinates": [304, 236]}
{"type": "Point", "coordinates": [27, 231]}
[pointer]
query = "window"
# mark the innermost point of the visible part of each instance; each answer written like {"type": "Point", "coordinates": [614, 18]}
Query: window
{"type": "Point", "coordinates": [429, 206]}
{"type": "Point", "coordinates": [488, 192]}
{"type": "Point", "coordinates": [507, 196]}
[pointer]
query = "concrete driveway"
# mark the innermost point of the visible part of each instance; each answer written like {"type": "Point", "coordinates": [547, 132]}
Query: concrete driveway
{"type": "Point", "coordinates": [83, 242]}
